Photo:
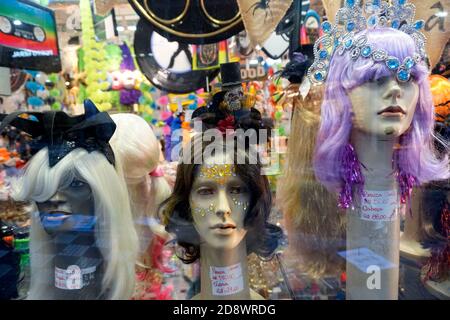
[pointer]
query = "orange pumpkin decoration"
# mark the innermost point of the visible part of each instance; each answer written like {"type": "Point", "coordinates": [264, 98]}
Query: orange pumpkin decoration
{"type": "Point", "coordinates": [440, 89]}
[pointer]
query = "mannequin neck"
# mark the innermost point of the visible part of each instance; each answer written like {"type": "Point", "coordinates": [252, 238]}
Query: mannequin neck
{"type": "Point", "coordinates": [91, 264]}
{"type": "Point", "coordinates": [375, 154]}
{"type": "Point", "coordinates": [224, 259]}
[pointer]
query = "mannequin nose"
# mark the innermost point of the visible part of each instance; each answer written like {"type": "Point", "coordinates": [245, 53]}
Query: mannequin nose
{"type": "Point", "coordinates": [394, 91]}
{"type": "Point", "coordinates": [58, 197]}
{"type": "Point", "coordinates": [56, 200]}
{"type": "Point", "coordinates": [222, 206]}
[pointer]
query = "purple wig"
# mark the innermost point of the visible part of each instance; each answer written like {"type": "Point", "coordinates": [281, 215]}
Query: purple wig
{"type": "Point", "coordinates": [416, 159]}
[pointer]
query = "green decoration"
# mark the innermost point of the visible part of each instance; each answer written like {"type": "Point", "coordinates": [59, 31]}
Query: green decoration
{"type": "Point", "coordinates": [56, 106]}
{"type": "Point", "coordinates": [94, 56]}
{"type": "Point", "coordinates": [278, 115]}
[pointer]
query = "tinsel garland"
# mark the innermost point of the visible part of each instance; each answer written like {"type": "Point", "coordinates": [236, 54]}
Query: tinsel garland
{"type": "Point", "coordinates": [351, 175]}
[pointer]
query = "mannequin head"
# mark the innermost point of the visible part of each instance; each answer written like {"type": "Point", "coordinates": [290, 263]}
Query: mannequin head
{"type": "Point", "coordinates": [89, 175]}
{"type": "Point", "coordinates": [136, 145]}
{"type": "Point", "coordinates": [228, 195]}
{"type": "Point", "coordinates": [72, 200]}
{"type": "Point", "coordinates": [372, 104]}
{"type": "Point", "coordinates": [357, 90]}
{"type": "Point", "coordinates": [137, 148]}
{"type": "Point", "coordinates": [219, 200]}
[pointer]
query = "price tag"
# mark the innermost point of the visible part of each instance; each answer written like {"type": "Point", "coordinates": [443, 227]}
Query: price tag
{"type": "Point", "coordinates": [379, 205]}
{"type": "Point", "coordinates": [226, 280]}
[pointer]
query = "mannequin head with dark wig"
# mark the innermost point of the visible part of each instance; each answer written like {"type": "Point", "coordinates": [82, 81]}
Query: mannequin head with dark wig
{"type": "Point", "coordinates": [246, 198]}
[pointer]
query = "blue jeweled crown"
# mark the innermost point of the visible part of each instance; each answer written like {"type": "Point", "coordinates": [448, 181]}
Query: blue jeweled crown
{"type": "Point", "coordinates": [351, 19]}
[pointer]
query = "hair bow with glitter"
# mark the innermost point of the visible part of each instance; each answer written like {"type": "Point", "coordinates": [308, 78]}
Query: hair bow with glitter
{"type": "Point", "coordinates": [62, 133]}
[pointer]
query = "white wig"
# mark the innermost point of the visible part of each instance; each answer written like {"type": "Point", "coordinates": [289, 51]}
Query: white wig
{"type": "Point", "coordinates": [114, 230]}
{"type": "Point", "coordinates": [138, 149]}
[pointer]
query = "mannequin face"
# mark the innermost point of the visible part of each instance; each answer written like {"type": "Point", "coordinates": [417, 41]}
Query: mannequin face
{"type": "Point", "coordinates": [384, 107]}
{"type": "Point", "coordinates": [70, 209]}
{"type": "Point", "coordinates": [219, 200]}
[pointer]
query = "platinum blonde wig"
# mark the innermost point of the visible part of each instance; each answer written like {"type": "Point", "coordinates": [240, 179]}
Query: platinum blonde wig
{"type": "Point", "coordinates": [138, 149]}
{"type": "Point", "coordinates": [114, 230]}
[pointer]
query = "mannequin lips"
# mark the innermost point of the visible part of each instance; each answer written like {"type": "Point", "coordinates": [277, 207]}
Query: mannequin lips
{"type": "Point", "coordinates": [57, 215]}
{"type": "Point", "coordinates": [392, 111]}
{"type": "Point", "coordinates": [223, 228]}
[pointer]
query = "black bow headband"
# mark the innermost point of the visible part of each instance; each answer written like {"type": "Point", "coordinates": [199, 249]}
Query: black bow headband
{"type": "Point", "coordinates": [62, 133]}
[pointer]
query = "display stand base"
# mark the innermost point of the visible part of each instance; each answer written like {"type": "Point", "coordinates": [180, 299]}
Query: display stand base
{"type": "Point", "coordinates": [413, 250]}
{"type": "Point", "coordinates": [440, 290]}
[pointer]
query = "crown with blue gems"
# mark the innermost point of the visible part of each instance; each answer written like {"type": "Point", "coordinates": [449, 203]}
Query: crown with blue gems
{"type": "Point", "coordinates": [353, 18]}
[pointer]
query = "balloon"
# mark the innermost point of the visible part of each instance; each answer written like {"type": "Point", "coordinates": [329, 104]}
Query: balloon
{"type": "Point", "coordinates": [56, 106]}
{"type": "Point", "coordinates": [148, 118]}
{"type": "Point", "coordinates": [193, 106]}
{"type": "Point", "coordinates": [163, 101]}
{"type": "Point", "coordinates": [33, 86]}
{"type": "Point", "coordinates": [165, 115]}
{"type": "Point", "coordinates": [142, 100]}
{"type": "Point", "coordinates": [105, 106]}
{"type": "Point", "coordinates": [173, 107]}
{"type": "Point", "coordinates": [104, 86]}
{"type": "Point", "coordinates": [54, 93]}
{"type": "Point", "coordinates": [35, 102]}
{"type": "Point", "coordinates": [53, 77]}
{"type": "Point", "coordinates": [166, 130]}
{"type": "Point", "coordinates": [145, 87]}
{"type": "Point", "coordinates": [278, 115]}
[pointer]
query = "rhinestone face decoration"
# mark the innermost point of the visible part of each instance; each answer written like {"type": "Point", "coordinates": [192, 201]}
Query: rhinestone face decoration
{"type": "Point", "coordinates": [204, 211]}
{"type": "Point", "coordinates": [351, 19]}
{"type": "Point", "coordinates": [218, 172]}
{"type": "Point", "coordinates": [240, 203]}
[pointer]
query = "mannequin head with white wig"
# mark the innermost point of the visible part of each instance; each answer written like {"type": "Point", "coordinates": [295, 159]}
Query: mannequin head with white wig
{"type": "Point", "coordinates": [82, 218]}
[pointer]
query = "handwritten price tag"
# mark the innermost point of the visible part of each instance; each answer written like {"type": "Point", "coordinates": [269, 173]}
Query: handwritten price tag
{"type": "Point", "coordinates": [226, 280]}
{"type": "Point", "coordinates": [379, 205]}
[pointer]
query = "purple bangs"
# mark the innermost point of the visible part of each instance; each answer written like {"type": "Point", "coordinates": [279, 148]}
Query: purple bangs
{"type": "Point", "coordinates": [417, 157]}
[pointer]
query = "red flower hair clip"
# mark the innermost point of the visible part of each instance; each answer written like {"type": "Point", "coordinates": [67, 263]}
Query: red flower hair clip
{"type": "Point", "coordinates": [227, 123]}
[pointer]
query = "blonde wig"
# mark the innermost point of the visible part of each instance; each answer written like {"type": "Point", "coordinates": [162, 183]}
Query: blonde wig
{"type": "Point", "coordinates": [138, 149]}
{"type": "Point", "coordinates": [316, 228]}
{"type": "Point", "coordinates": [114, 231]}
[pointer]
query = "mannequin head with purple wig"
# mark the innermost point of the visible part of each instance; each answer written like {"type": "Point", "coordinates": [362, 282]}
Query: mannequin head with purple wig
{"type": "Point", "coordinates": [414, 159]}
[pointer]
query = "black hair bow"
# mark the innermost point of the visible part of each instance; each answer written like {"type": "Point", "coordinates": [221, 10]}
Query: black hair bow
{"type": "Point", "coordinates": [62, 133]}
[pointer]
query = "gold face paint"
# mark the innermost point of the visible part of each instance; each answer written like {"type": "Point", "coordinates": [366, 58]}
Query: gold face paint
{"type": "Point", "coordinates": [203, 212]}
{"type": "Point", "coordinates": [218, 172]}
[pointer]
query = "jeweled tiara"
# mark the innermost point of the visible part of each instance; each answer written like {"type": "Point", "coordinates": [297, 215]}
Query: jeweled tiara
{"type": "Point", "coordinates": [342, 37]}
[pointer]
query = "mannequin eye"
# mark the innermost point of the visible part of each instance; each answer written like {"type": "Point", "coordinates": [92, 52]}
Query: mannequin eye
{"type": "Point", "coordinates": [205, 191]}
{"type": "Point", "coordinates": [383, 80]}
{"type": "Point", "coordinates": [237, 190]}
{"type": "Point", "coordinates": [77, 184]}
